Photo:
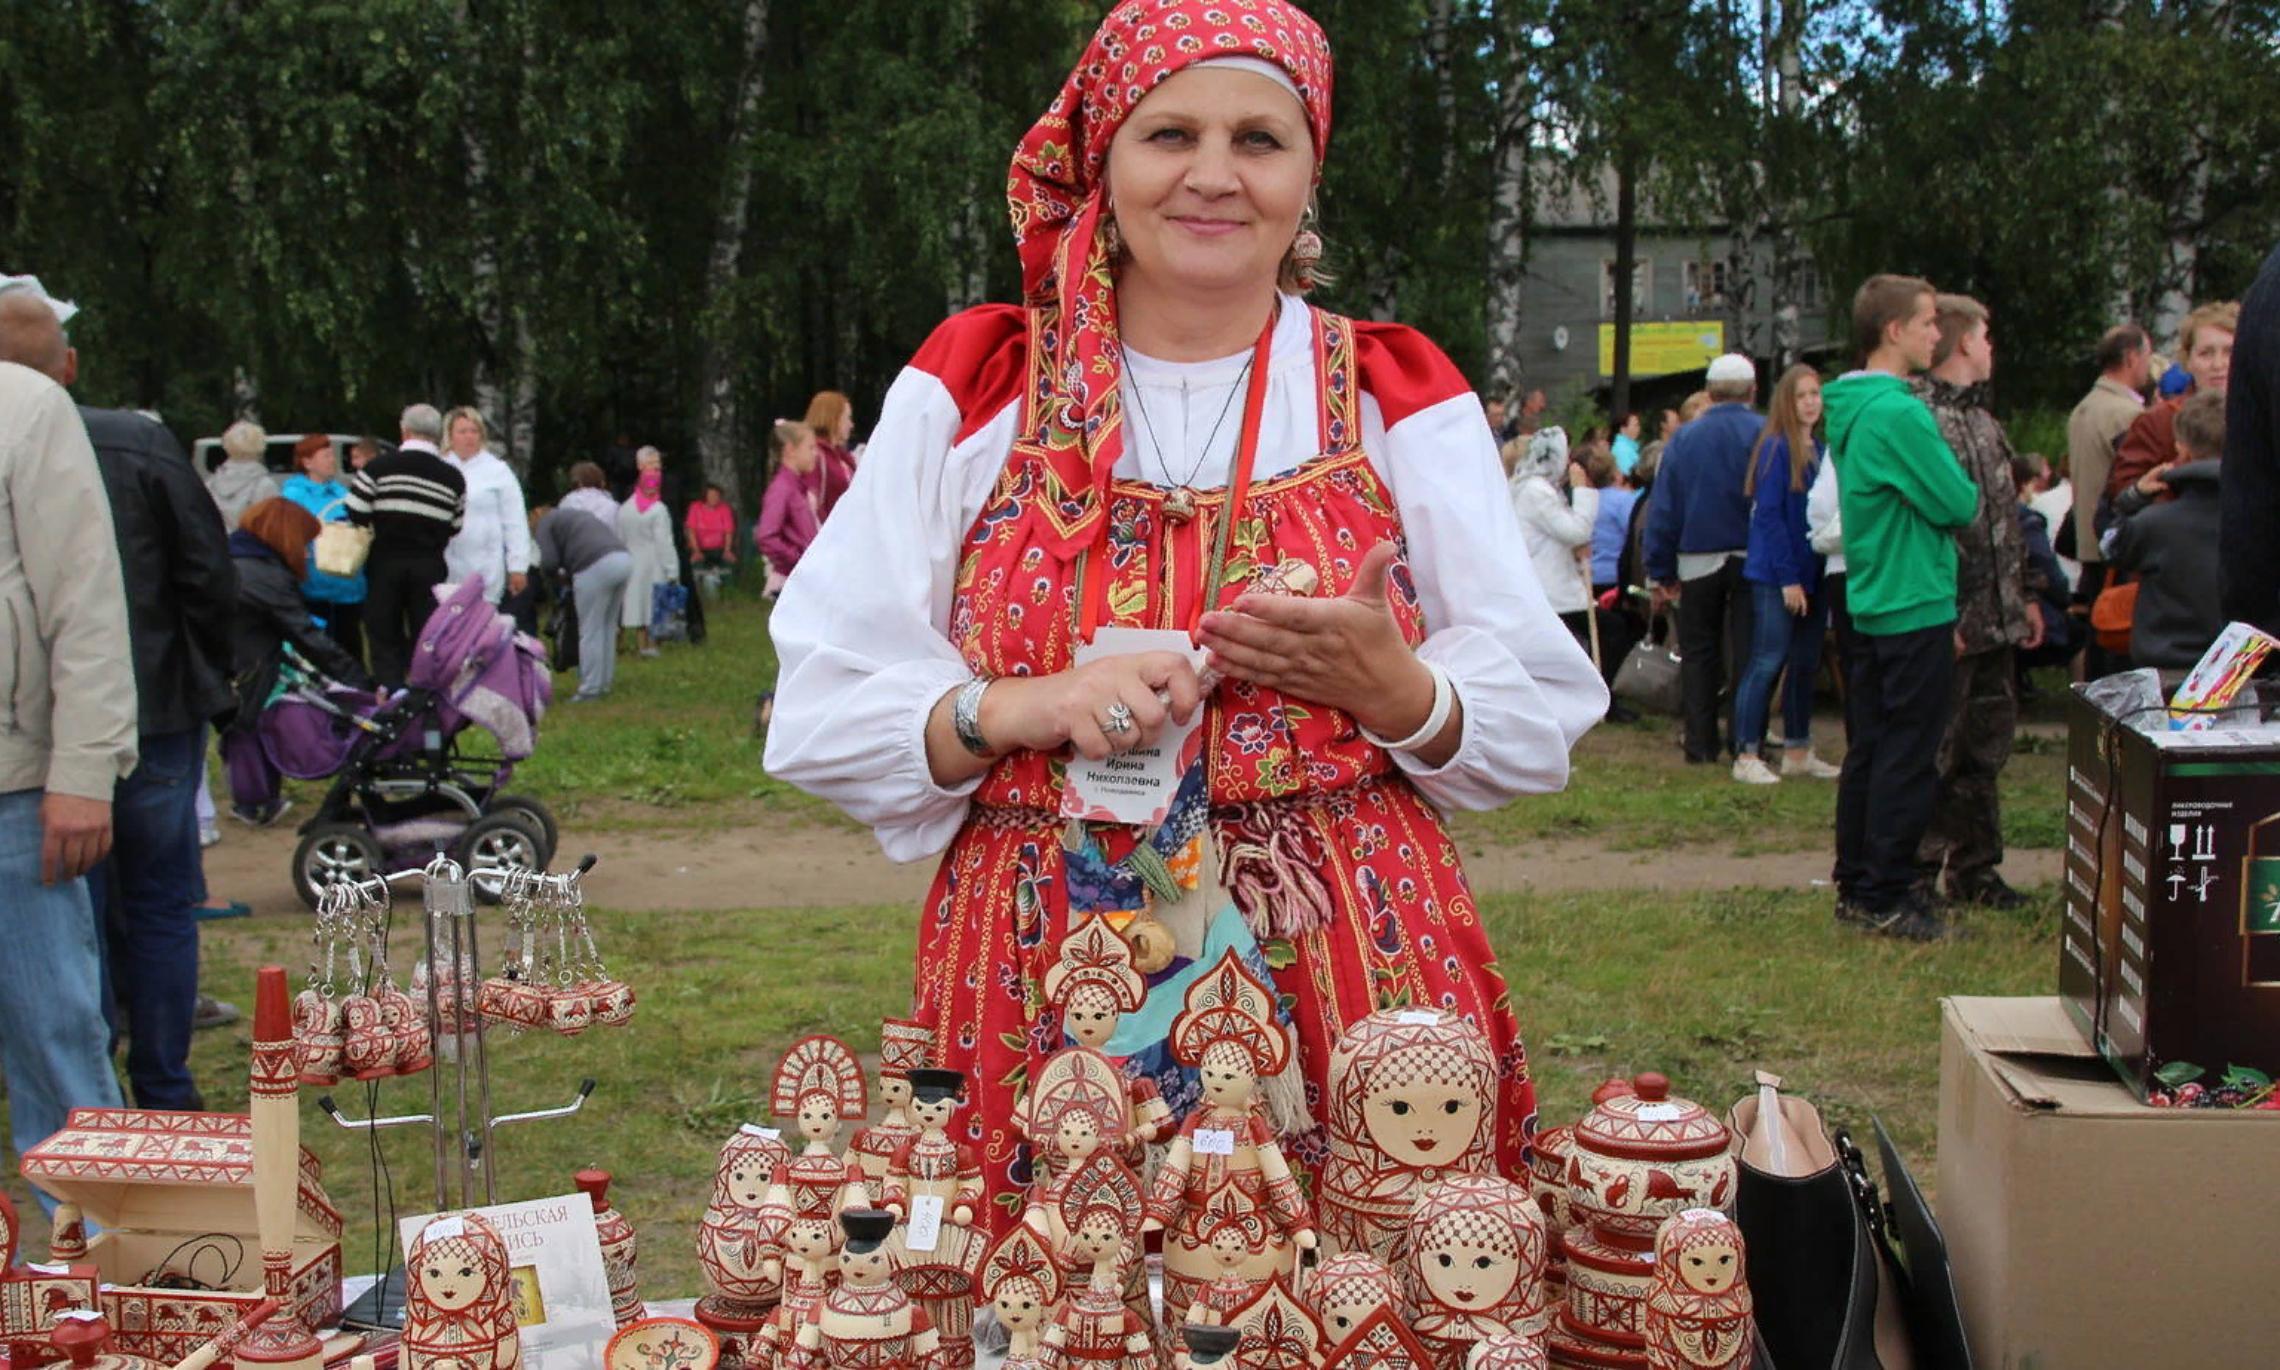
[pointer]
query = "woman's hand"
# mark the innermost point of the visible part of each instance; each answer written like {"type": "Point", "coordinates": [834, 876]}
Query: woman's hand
{"type": "Point", "coordinates": [2151, 483]}
{"type": "Point", "coordinates": [1793, 599]}
{"type": "Point", "coordinates": [1073, 708]}
{"type": "Point", "coordinates": [1347, 653]}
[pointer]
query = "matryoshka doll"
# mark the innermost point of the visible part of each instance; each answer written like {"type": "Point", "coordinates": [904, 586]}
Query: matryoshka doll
{"type": "Point", "coordinates": [1075, 1110]}
{"type": "Point", "coordinates": [904, 1046]}
{"type": "Point", "coordinates": [1473, 1265]}
{"type": "Point", "coordinates": [1226, 1031]}
{"type": "Point", "coordinates": [738, 1241]}
{"type": "Point", "coordinates": [459, 1298]}
{"type": "Point", "coordinates": [866, 1321]}
{"type": "Point", "coordinates": [1699, 1316]}
{"type": "Point", "coordinates": [1093, 984]}
{"type": "Point", "coordinates": [934, 1190]}
{"type": "Point", "coordinates": [1412, 1101]}
{"type": "Point", "coordinates": [1022, 1283]}
{"type": "Point", "coordinates": [1515, 1352]}
{"type": "Point", "coordinates": [1347, 1288]}
{"type": "Point", "coordinates": [1094, 1329]}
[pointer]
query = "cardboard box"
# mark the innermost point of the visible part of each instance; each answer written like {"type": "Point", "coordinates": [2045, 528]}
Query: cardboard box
{"type": "Point", "coordinates": [2086, 1229]}
{"type": "Point", "coordinates": [2169, 951]}
{"type": "Point", "coordinates": [163, 1185]}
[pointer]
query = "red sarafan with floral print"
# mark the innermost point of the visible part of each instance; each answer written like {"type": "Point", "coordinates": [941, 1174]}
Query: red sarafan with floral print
{"type": "Point", "coordinates": [1330, 853]}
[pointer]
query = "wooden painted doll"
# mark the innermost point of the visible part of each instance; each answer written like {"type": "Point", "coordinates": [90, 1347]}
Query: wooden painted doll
{"type": "Point", "coordinates": [1412, 1101]}
{"type": "Point", "coordinates": [1226, 1030]}
{"type": "Point", "coordinates": [1380, 1341]}
{"type": "Point", "coordinates": [810, 1240]}
{"type": "Point", "coordinates": [1092, 985]}
{"type": "Point", "coordinates": [1076, 1110]}
{"type": "Point", "coordinates": [1278, 1332]}
{"type": "Point", "coordinates": [1513, 1351]}
{"type": "Point", "coordinates": [1700, 1315]}
{"type": "Point", "coordinates": [904, 1046]}
{"type": "Point", "coordinates": [1022, 1282]}
{"type": "Point", "coordinates": [1345, 1289]}
{"type": "Point", "coordinates": [819, 1086]}
{"type": "Point", "coordinates": [1094, 1330]}
{"type": "Point", "coordinates": [459, 1299]}
{"type": "Point", "coordinates": [1235, 1233]}
{"type": "Point", "coordinates": [866, 1321]}
{"type": "Point", "coordinates": [1473, 1265]}
{"type": "Point", "coordinates": [934, 1190]}
{"type": "Point", "coordinates": [737, 1241]}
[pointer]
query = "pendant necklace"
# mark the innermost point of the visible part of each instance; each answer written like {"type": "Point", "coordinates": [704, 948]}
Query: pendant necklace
{"type": "Point", "coordinates": [1179, 504]}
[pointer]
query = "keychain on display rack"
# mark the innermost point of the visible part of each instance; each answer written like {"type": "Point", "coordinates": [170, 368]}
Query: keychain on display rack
{"type": "Point", "coordinates": [866, 1321]}
{"type": "Point", "coordinates": [375, 1030]}
{"type": "Point", "coordinates": [934, 1191]}
{"type": "Point", "coordinates": [1228, 1031]}
{"type": "Point", "coordinates": [551, 973]}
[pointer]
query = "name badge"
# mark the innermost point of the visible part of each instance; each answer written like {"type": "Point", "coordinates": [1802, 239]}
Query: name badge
{"type": "Point", "coordinates": [924, 1229]}
{"type": "Point", "coordinates": [1214, 1141]}
{"type": "Point", "coordinates": [1135, 786]}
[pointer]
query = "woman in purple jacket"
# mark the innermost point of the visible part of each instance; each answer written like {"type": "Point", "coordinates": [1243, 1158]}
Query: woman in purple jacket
{"type": "Point", "coordinates": [792, 509]}
{"type": "Point", "coordinates": [1784, 575]}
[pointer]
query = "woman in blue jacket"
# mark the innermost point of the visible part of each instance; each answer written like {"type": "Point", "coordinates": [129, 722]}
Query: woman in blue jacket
{"type": "Point", "coordinates": [1784, 575]}
{"type": "Point", "coordinates": [336, 602]}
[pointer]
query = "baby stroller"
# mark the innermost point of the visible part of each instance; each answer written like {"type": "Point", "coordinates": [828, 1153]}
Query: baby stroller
{"type": "Point", "coordinates": [406, 784]}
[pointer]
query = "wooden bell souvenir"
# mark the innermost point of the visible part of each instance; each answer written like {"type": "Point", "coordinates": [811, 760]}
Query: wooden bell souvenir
{"type": "Point", "coordinates": [1700, 1315]}
{"type": "Point", "coordinates": [1473, 1265]}
{"type": "Point", "coordinates": [67, 1235]}
{"type": "Point", "coordinates": [1022, 1283]}
{"type": "Point", "coordinates": [934, 1189]}
{"type": "Point", "coordinates": [737, 1241]}
{"type": "Point", "coordinates": [1277, 1332]}
{"type": "Point", "coordinates": [1345, 1289]}
{"type": "Point", "coordinates": [1095, 1326]}
{"type": "Point", "coordinates": [1517, 1351]}
{"type": "Point", "coordinates": [569, 1003]}
{"type": "Point", "coordinates": [1226, 1031]}
{"type": "Point", "coordinates": [904, 1046]}
{"type": "Point", "coordinates": [620, 1248]}
{"type": "Point", "coordinates": [1204, 1345]}
{"type": "Point", "coordinates": [866, 1321]}
{"type": "Point", "coordinates": [1380, 1341]}
{"type": "Point", "coordinates": [1412, 1101]}
{"type": "Point", "coordinates": [662, 1344]}
{"type": "Point", "coordinates": [459, 1301]}
{"type": "Point", "coordinates": [1091, 985]}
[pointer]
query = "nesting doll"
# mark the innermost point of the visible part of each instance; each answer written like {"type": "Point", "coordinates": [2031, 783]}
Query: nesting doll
{"type": "Point", "coordinates": [1699, 1316]}
{"type": "Point", "coordinates": [1412, 1101]}
{"type": "Point", "coordinates": [904, 1046]}
{"type": "Point", "coordinates": [1226, 1030]}
{"type": "Point", "coordinates": [1473, 1265]}
{"type": "Point", "coordinates": [819, 1085]}
{"type": "Point", "coordinates": [737, 1242]}
{"type": "Point", "coordinates": [1347, 1288]}
{"type": "Point", "coordinates": [866, 1321]}
{"type": "Point", "coordinates": [1022, 1282]}
{"type": "Point", "coordinates": [1094, 1329]}
{"type": "Point", "coordinates": [1380, 1341]}
{"type": "Point", "coordinates": [1206, 1345]}
{"type": "Point", "coordinates": [1278, 1333]}
{"type": "Point", "coordinates": [1514, 1351]}
{"type": "Point", "coordinates": [459, 1298]}
{"type": "Point", "coordinates": [934, 1189]}
{"type": "Point", "coordinates": [1093, 984]}
{"type": "Point", "coordinates": [1076, 1110]}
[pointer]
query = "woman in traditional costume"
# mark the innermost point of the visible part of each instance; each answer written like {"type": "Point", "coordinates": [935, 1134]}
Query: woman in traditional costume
{"type": "Point", "coordinates": [1360, 648]}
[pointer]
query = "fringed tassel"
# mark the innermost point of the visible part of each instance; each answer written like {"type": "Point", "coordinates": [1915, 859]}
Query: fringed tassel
{"type": "Point", "coordinates": [1284, 1094]}
{"type": "Point", "coordinates": [1271, 861]}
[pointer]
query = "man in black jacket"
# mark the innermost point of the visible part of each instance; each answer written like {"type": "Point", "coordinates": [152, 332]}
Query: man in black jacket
{"type": "Point", "coordinates": [2251, 492]}
{"type": "Point", "coordinates": [180, 589]}
{"type": "Point", "coordinates": [413, 501]}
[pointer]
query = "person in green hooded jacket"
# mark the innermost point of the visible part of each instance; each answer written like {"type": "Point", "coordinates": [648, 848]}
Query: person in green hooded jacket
{"type": "Point", "coordinates": [1902, 495]}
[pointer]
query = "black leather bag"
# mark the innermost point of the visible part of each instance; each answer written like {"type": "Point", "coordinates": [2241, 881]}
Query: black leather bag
{"type": "Point", "coordinates": [1649, 676]}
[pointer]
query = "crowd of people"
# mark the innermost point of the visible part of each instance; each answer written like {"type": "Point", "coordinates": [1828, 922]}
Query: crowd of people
{"type": "Point", "coordinates": [1888, 510]}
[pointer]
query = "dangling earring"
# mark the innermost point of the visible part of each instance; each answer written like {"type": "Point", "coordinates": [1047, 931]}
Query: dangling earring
{"type": "Point", "coordinates": [1111, 239]}
{"type": "Point", "coordinates": [1306, 250]}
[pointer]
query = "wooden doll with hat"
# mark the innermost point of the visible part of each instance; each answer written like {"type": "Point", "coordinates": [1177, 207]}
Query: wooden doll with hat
{"type": "Point", "coordinates": [866, 1321]}
{"type": "Point", "coordinates": [934, 1190]}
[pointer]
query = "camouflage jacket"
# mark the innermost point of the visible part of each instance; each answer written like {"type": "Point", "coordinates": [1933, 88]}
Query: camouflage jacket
{"type": "Point", "coordinates": [1992, 603]}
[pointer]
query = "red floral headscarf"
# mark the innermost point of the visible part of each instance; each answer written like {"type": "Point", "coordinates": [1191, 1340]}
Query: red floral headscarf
{"type": "Point", "coordinates": [1056, 193]}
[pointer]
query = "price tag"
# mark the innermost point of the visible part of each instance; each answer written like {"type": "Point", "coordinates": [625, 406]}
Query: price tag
{"type": "Point", "coordinates": [444, 1229]}
{"type": "Point", "coordinates": [1660, 1113]}
{"type": "Point", "coordinates": [1135, 786]}
{"type": "Point", "coordinates": [1417, 1017]}
{"type": "Point", "coordinates": [765, 1133]}
{"type": "Point", "coordinates": [924, 1230]}
{"type": "Point", "coordinates": [1214, 1141]}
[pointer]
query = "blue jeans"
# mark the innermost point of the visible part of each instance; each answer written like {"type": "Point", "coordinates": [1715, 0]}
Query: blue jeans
{"type": "Point", "coordinates": [54, 1048]}
{"type": "Point", "coordinates": [145, 896]}
{"type": "Point", "coordinates": [1779, 640]}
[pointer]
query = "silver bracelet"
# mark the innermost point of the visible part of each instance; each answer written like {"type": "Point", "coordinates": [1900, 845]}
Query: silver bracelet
{"type": "Point", "coordinates": [1444, 700]}
{"type": "Point", "coordinates": [966, 716]}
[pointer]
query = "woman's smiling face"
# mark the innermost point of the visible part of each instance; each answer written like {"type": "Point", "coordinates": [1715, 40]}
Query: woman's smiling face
{"type": "Point", "coordinates": [1208, 178]}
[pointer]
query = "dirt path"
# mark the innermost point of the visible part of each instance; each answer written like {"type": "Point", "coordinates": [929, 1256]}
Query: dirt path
{"type": "Point", "coordinates": [792, 865]}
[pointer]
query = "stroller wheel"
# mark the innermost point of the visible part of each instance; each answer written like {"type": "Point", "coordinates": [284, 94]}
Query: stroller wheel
{"type": "Point", "coordinates": [332, 852]}
{"type": "Point", "coordinates": [505, 841]}
{"type": "Point", "coordinates": [536, 814]}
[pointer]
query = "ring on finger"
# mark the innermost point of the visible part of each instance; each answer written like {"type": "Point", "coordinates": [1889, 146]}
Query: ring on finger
{"type": "Point", "coordinates": [1119, 719]}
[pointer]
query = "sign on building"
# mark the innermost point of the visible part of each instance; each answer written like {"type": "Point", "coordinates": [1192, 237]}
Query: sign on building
{"type": "Point", "coordinates": [1658, 349]}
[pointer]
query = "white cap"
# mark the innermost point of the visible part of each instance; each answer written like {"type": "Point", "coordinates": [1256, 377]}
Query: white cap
{"type": "Point", "coordinates": [64, 309]}
{"type": "Point", "coordinates": [1733, 367]}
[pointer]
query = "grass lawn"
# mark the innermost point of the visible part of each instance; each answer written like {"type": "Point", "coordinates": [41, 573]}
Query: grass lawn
{"type": "Point", "coordinates": [1706, 988]}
